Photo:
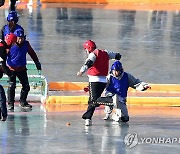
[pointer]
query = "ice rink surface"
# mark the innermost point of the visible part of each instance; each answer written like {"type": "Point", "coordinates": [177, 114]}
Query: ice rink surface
{"type": "Point", "coordinates": [149, 42]}
{"type": "Point", "coordinates": [150, 130]}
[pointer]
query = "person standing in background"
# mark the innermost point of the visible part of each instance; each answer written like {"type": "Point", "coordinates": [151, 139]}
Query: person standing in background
{"type": "Point", "coordinates": [12, 4]}
{"type": "Point", "coordinates": [16, 61]}
{"type": "Point", "coordinates": [2, 2]}
{"type": "Point", "coordinates": [11, 26]}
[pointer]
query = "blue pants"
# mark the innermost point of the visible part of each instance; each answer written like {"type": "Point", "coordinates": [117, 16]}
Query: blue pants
{"type": "Point", "coordinates": [3, 108]}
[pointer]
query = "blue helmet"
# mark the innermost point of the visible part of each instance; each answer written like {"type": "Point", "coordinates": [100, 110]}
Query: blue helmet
{"type": "Point", "coordinates": [12, 16]}
{"type": "Point", "coordinates": [117, 65]}
{"type": "Point", "coordinates": [19, 33]}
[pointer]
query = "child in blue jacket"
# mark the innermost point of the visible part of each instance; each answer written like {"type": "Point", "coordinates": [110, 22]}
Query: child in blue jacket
{"type": "Point", "coordinates": [117, 87]}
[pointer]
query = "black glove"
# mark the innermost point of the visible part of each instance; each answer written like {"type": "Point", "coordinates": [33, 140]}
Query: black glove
{"type": "Point", "coordinates": [118, 56]}
{"type": "Point", "coordinates": [38, 65]}
{"type": "Point", "coordinates": [4, 69]}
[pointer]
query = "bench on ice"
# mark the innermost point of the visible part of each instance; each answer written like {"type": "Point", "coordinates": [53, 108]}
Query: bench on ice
{"type": "Point", "coordinates": [38, 84]}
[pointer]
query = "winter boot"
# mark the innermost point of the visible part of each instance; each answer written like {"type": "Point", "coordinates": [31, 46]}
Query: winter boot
{"type": "Point", "coordinates": [10, 106]}
{"type": "Point", "coordinates": [11, 96]}
{"type": "Point", "coordinates": [115, 117]}
{"type": "Point", "coordinates": [23, 102]}
{"type": "Point", "coordinates": [107, 117]}
{"type": "Point", "coordinates": [88, 122]}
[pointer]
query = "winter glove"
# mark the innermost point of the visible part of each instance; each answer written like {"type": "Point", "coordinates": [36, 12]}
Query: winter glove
{"type": "Point", "coordinates": [142, 86]}
{"type": "Point", "coordinates": [86, 89]}
{"type": "Point", "coordinates": [118, 56]}
{"type": "Point", "coordinates": [146, 86]}
{"type": "Point", "coordinates": [38, 65]}
{"type": "Point", "coordinates": [4, 69]}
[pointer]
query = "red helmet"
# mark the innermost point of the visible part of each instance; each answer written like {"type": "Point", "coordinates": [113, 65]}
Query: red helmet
{"type": "Point", "coordinates": [89, 45]}
{"type": "Point", "coordinates": [10, 38]}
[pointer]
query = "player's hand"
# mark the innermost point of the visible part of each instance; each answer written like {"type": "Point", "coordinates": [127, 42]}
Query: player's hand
{"type": "Point", "coordinates": [86, 89]}
{"type": "Point", "coordinates": [146, 86]}
{"type": "Point", "coordinates": [38, 65]}
{"type": "Point", "coordinates": [79, 73]}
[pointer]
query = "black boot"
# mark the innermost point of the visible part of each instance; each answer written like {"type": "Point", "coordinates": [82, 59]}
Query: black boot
{"type": "Point", "coordinates": [10, 106]}
{"type": "Point", "coordinates": [23, 102]}
{"type": "Point", "coordinates": [11, 95]}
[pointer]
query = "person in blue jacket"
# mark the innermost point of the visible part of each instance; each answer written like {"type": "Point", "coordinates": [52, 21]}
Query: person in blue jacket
{"type": "Point", "coordinates": [11, 26]}
{"type": "Point", "coordinates": [16, 61]}
{"type": "Point", "coordinates": [117, 88]}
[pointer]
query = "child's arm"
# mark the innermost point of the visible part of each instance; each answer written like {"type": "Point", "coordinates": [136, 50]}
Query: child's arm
{"type": "Point", "coordinates": [137, 84]}
{"type": "Point", "coordinates": [88, 63]}
{"type": "Point", "coordinates": [113, 55]}
{"type": "Point", "coordinates": [142, 86]}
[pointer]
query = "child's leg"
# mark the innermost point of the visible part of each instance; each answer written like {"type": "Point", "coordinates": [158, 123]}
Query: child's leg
{"type": "Point", "coordinates": [108, 110]}
{"type": "Point", "coordinates": [95, 91]}
{"type": "Point", "coordinates": [117, 115]}
{"type": "Point", "coordinates": [121, 110]}
{"type": "Point", "coordinates": [124, 111]}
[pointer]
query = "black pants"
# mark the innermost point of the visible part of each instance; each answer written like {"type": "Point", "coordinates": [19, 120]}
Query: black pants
{"type": "Point", "coordinates": [12, 5]}
{"type": "Point", "coordinates": [3, 108]}
{"type": "Point", "coordinates": [23, 78]}
{"type": "Point", "coordinates": [95, 91]}
{"type": "Point", "coordinates": [2, 2]}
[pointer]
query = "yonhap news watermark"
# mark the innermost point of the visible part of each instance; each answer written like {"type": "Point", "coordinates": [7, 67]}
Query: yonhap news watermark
{"type": "Point", "coordinates": [131, 140]}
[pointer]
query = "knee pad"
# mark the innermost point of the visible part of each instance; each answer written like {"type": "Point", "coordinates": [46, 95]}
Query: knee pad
{"type": "Point", "coordinates": [125, 118]}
